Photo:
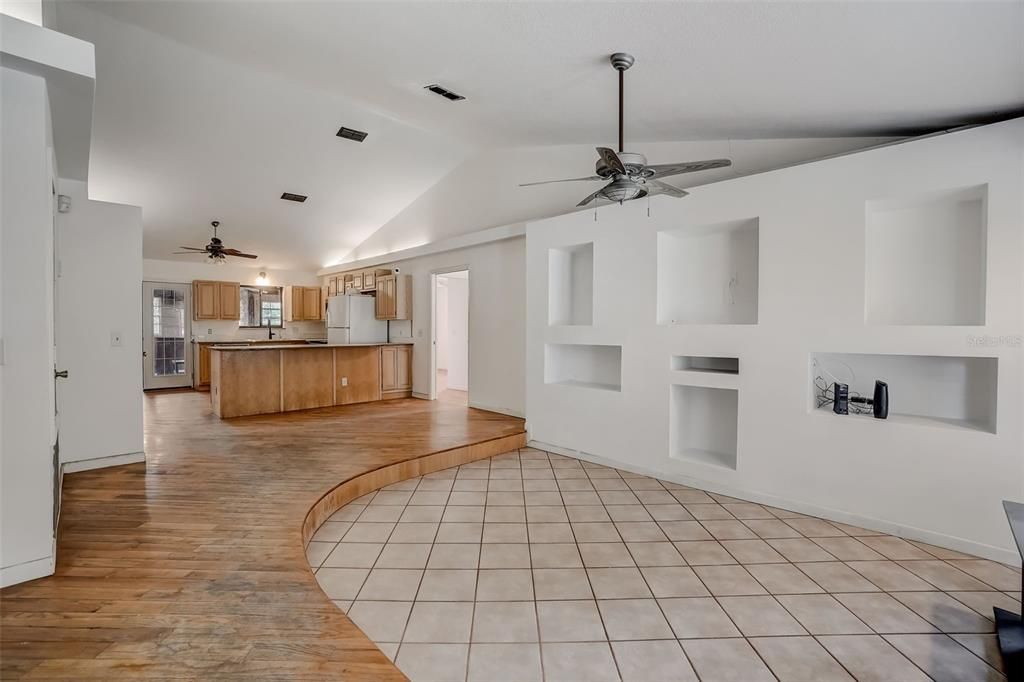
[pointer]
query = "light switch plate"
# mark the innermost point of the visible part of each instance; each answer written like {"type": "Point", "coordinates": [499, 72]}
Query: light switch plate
{"type": "Point", "coordinates": [344, 381]}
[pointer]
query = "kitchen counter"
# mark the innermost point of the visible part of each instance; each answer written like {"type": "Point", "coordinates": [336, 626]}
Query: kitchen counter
{"type": "Point", "coordinates": [276, 379]}
{"type": "Point", "coordinates": [306, 346]}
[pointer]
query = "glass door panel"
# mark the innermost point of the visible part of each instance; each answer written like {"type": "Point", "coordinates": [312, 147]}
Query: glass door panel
{"type": "Point", "coordinates": [167, 346]}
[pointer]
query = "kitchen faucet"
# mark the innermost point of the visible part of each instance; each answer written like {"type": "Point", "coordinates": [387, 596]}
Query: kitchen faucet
{"type": "Point", "coordinates": [270, 331]}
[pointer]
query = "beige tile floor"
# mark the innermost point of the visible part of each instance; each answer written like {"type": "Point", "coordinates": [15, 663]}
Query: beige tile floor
{"type": "Point", "coordinates": [534, 566]}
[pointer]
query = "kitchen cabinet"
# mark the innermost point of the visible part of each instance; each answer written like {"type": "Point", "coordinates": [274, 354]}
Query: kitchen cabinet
{"type": "Point", "coordinates": [357, 281]}
{"type": "Point", "coordinates": [369, 281]}
{"type": "Point", "coordinates": [303, 303]}
{"type": "Point", "coordinates": [395, 371]}
{"type": "Point", "coordinates": [202, 377]}
{"type": "Point", "coordinates": [228, 292]}
{"type": "Point", "coordinates": [311, 308]}
{"type": "Point", "coordinates": [332, 286]}
{"type": "Point", "coordinates": [213, 300]}
{"type": "Point", "coordinates": [394, 297]}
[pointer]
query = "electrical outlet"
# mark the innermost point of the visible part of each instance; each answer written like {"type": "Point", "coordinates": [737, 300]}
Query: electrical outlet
{"type": "Point", "coordinates": [209, 331]}
{"type": "Point", "coordinates": [344, 381]}
{"type": "Point", "coordinates": [115, 339]}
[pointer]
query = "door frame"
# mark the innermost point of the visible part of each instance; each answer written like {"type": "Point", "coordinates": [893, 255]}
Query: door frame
{"type": "Point", "coordinates": [434, 274]}
{"type": "Point", "coordinates": [147, 322]}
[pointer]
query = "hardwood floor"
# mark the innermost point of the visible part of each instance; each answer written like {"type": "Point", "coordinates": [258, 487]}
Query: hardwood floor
{"type": "Point", "coordinates": [154, 578]}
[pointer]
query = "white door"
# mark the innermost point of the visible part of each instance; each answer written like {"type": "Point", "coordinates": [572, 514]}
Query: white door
{"type": "Point", "coordinates": [166, 335]}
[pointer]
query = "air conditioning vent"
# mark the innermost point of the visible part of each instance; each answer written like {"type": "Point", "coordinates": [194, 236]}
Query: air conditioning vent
{"type": "Point", "coordinates": [351, 134]}
{"type": "Point", "coordinates": [288, 196]}
{"type": "Point", "coordinates": [444, 92]}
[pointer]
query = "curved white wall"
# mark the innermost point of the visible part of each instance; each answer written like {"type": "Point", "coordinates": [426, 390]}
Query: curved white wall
{"type": "Point", "coordinates": [938, 482]}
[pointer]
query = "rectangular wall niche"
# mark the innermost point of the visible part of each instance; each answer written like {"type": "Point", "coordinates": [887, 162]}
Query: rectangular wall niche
{"type": "Point", "coordinates": [925, 259]}
{"type": "Point", "coordinates": [925, 389]}
{"type": "Point", "coordinates": [588, 366]}
{"type": "Point", "coordinates": [707, 274]}
{"type": "Point", "coordinates": [571, 285]}
{"type": "Point", "coordinates": [704, 363]}
{"type": "Point", "coordinates": [702, 425]}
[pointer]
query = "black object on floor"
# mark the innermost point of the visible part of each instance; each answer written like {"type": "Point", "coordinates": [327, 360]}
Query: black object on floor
{"type": "Point", "coordinates": [1009, 625]}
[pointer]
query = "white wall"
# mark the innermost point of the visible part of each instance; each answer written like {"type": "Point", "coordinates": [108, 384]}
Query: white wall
{"type": "Point", "coordinates": [26, 291]}
{"type": "Point", "coordinates": [99, 251]}
{"type": "Point", "coordinates": [938, 482]}
{"type": "Point", "coordinates": [497, 321]}
{"type": "Point", "coordinates": [457, 333]}
{"type": "Point", "coordinates": [194, 267]}
{"type": "Point", "coordinates": [441, 331]}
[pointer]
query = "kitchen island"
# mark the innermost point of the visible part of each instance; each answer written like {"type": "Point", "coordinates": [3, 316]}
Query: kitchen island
{"type": "Point", "coordinates": [267, 378]}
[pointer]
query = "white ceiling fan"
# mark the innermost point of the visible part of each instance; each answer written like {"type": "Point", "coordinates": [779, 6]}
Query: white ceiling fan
{"type": "Point", "coordinates": [631, 177]}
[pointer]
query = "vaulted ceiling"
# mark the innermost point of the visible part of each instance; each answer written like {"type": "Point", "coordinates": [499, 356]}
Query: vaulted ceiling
{"type": "Point", "coordinates": [211, 109]}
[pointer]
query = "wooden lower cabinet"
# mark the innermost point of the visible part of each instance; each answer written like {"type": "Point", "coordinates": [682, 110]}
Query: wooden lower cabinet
{"type": "Point", "coordinates": [395, 371]}
{"type": "Point", "coordinates": [202, 375]}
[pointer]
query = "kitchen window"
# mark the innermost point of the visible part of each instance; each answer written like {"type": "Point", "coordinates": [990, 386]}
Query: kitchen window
{"type": "Point", "coordinates": [260, 306]}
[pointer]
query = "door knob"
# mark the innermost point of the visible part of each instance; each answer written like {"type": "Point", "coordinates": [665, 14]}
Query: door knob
{"type": "Point", "coordinates": [63, 374]}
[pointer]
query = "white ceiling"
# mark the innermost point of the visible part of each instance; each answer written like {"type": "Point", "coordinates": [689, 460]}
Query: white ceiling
{"type": "Point", "coordinates": [212, 109]}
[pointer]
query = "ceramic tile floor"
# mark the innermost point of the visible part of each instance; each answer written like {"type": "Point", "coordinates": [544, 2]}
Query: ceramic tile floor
{"type": "Point", "coordinates": [534, 566]}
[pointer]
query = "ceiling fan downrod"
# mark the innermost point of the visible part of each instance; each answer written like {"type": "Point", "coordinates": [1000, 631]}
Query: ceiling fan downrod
{"type": "Point", "coordinates": [621, 61]}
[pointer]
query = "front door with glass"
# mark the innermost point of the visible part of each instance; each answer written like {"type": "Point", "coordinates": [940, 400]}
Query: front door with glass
{"type": "Point", "coordinates": [166, 335]}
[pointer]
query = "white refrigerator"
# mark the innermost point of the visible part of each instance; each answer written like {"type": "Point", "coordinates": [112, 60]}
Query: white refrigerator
{"type": "Point", "coordinates": [352, 318]}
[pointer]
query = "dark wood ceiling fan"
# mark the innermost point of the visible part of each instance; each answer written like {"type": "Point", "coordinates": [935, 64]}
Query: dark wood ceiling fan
{"type": "Point", "coordinates": [215, 250]}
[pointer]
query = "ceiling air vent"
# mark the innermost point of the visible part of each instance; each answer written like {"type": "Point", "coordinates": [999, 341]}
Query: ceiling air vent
{"type": "Point", "coordinates": [288, 196]}
{"type": "Point", "coordinates": [444, 92]}
{"type": "Point", "coordinates": [351, 134]}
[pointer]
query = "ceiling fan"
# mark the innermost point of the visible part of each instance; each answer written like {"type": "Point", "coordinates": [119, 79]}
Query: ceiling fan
{"type": "Point", "coordinates": [631, 177]}
{"type": "Point", "coordinates": [217, 252]}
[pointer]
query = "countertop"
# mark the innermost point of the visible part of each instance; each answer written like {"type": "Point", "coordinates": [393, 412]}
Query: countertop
{"type": "Point", "coordinates": [296, 346]}
{"type": "Point", "coordinates": [241, 342]}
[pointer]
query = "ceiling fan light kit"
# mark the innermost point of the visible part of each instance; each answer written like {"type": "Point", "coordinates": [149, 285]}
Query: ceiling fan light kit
{"type": "Point", "coordinates": [631, 177]}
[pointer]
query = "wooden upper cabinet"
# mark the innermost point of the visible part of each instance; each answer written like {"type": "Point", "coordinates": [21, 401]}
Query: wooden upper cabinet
{"type": "Point", "coordinates": [394, 297]}
{"type": "Point", "coordinates": [369, 282]}
{"type": "Point", "coordinates": [215, 300]}
{"type": "Point", "coordinates": [357, 281]}
{"type": "Point", "coordinates": [332, 286]}
{"type": "Point", "coordinates": [205, 300]}
{"type": "Point", "coordinates": [229, 300]}
{"type": "Point", "coordinates": [311, 308]}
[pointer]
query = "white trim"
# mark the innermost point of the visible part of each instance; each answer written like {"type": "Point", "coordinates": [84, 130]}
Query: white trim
{"type": "Point", "coordinates": [102, 462]}
{"type": "Point", "coordinates": [909, 532]}
{"type": "Point", "coordinates": [29, 570]}
{"type": "Point", "coordinates": [420, 396]}
{"type": "Point", "coordinates": [500, 410]}
{"type": "Point", "coordinates": [494, 234]}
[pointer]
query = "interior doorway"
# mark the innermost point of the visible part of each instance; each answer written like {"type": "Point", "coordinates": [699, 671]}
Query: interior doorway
{"type": "Point", "coordinates": [166, 335]}
{"type": "Point", "coordinates": [451, 336]}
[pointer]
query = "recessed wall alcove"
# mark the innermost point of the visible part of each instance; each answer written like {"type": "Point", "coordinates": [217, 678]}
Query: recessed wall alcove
{"type": "Point", "coordinates": [583, 365]}
{"type": "Point", "coordinates": [703, 424]}
{"type": "Point", "coordinates": [925, 259]}
{"type": "Point", "coordinates": [571, 285]}
{"type": "Point", "coordinates": [952, 391]}
{"type": "Point", "coordinates": [708, 274]}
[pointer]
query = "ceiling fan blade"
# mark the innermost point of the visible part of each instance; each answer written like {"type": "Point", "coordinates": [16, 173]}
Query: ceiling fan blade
{"type": "Point", "coordinates": [591, 197]}
{"type": "Point", "coordinates": [236, 252]}
{"type": "Point", "coordinates": [658, 187]}
{"type": "Point", "coordinates": [611, 159]}
{"type": "Point", "coordinates": [191, 248]}
{"type": "Point", "coordinates": [666, 169]}
{"type": "Point", "coordinates": [184, 253]}
{"type": "Point", "coordinates": [548, 182]}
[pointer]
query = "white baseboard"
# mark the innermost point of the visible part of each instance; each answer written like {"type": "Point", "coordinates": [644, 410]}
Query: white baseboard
{"type": "Point", "coordinates": [1006, 556]}
{"type": "Point", "coordinates": [499, 410]}
{"type": "Point", "coordinates": [421, 396]}
{"type": "Point", "coordinates": [30, 570]}
{"type": "Point", "coordinates": [103, 462]}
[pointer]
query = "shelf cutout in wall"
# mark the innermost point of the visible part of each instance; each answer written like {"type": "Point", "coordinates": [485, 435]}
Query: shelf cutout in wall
{"type": "Point", "coordinates": [571, 285]}
{"type": "Point", "coordinates": [925, 259]}
{"type": "Point", "coordinates": [587, 366]}
{"type": "Point", "coordinates": [702, 363]}
{"type": "Point", "coordinates": [951, 391]}
{"type": "Point", "coordinates": [702, 425]}
{"type": "Point", "coordinates": [707, 274]}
